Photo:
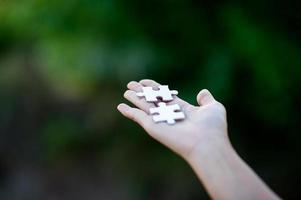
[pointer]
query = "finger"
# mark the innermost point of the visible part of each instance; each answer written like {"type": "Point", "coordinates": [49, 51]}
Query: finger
{"type": "Point", "coordinates": [150, 83]}
{"type": "Point", "coordinates": [131, 96]}
{"type": "Point", "coordinates": [205, 97]}
{"type": "Point", "coordinates": [135, 114]}
{"type": "Point", "coordinates": [141, 103]}
{"type": "Point", "coordinates": [154, 84]}
{"type": "Point", "coordinates": [135, 86]}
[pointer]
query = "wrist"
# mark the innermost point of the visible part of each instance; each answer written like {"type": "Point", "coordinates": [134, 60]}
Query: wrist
{"type": "Point", "coordinates": [209, 146]}
{"type": "Point", "coordinates": [224, 174]}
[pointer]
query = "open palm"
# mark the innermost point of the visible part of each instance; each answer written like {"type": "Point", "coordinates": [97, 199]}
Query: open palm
{"type": "Point", "coordinates": [203, 123]}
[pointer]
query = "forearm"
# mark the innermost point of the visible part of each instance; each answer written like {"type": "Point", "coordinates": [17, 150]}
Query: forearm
{"type": "Point", "coordinates": [225, 175]}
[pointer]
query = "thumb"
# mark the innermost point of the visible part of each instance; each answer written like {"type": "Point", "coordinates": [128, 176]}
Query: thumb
{"type": "Point", "coordinates": [205, 97]}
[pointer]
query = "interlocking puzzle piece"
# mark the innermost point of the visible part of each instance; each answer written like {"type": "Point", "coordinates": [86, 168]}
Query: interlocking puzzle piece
{"type": "Point", "coordinates": [167, 113]}
{"type": "Point", "coordinates": [152, 95]}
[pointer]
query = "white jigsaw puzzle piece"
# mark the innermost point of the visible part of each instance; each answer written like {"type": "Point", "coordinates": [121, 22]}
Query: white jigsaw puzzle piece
{"type": "Point", "coordinates": [152, 95]}
{"type": "Point", "coordinates": [167, 113]}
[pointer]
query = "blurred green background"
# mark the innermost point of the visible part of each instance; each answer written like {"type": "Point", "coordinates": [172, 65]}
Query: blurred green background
{"type": "Point", "coordinates": [64, 66]}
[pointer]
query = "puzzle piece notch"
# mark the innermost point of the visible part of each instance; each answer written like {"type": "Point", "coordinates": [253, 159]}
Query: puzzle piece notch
{"type": "Point", "coordinates": [152, 95]}
{"type": "Point", "coordinates": [167, 113]}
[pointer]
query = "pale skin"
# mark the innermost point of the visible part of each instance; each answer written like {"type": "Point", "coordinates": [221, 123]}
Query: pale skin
{"type": "Point", "coordinates": [202, 140]}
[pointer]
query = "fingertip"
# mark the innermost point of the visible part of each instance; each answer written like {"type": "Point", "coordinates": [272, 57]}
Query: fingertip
{"type": "Point", "coordinates": [132, 84]}
{"type": "Point", "coordinates": [149, 82]}
{"type": "Point", "coordinates": [145, 79]}
{"type": "Point", "coordinates": [204, 91]}
{"type": "Point", "coordinates": [123, 107]}
{"type": "Point", "coordinates": [134, 114]}
{"type": "Point", "coordinates": [127, 94]}
{"type": "Point", "coordinates": [205, 97]}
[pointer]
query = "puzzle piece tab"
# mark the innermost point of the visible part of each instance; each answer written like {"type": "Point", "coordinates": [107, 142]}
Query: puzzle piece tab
{"type": "Point", "coordinates": [152, 95]}
{"type": "Point", "coordinates": [167, 113]}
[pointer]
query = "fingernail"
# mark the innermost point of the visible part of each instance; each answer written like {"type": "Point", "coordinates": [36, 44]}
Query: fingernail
{"type": "Point", "coordinates": [131, 83]}
{"type": "Point", "coordinates": [122, 107]}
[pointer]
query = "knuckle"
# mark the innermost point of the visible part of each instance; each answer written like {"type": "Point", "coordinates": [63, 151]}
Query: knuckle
{"type": "Point", "coordinates": [147, 124]}
{"type": "Point", "coordinates": [135, 116]}
{"type": "Point", "coordinates": [221, 107]}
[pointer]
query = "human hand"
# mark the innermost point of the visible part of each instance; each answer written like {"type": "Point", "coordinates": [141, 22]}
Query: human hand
{"type": "Point", "coordinates": [205, 124]}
